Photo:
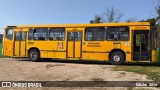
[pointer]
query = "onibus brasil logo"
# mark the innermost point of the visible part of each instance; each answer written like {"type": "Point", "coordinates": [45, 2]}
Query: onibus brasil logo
{"type": "Point", "coordinates": [21, 84]}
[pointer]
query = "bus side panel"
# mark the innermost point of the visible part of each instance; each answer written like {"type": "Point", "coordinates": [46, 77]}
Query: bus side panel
{"type": "Point", "coordinates": [56, 55]}
{"type": "Point", "coordinates": [7, 45]}
{"type": "Point", "coordinates": [8, 48]}
{"type": "Point", "coordinates": [97, 50]}
{"type": "Point", "coordinates": [52, 54]}
{"type": "Point", "coordinates": [40, 45]}
{"type": "Point", "coordinates": [50, 49]}
{"type": "Point", "coordinates": [126, 48]}
{"type": "Point", "coordinates": [56, 49]}
{"type": "Point", "coordinates": [43, 54]}
{"type": "Point", "coordinates": [100, 50]}
{"type": "Point", "coordinates": [128, 57]}
{"type": "Point", "coordinates": [95, 56]}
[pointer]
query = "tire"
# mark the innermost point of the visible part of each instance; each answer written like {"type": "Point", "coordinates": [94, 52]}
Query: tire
{"type": "Point", "coordinates": [117, 58]}
{"type": "Point", "coordinates": [34, 55]}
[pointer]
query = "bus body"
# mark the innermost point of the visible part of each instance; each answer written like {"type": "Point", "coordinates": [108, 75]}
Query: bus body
{"type": "Point", "coordinates": [116, 42]}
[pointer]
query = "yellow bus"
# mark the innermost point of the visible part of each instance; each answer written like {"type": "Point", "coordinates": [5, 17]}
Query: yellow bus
{"type": "Point", "coordinates": [114, 42]}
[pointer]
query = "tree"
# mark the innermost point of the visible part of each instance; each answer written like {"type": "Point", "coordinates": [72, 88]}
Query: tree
{"type": "Point", "coordinates": [97, 19]}
{"type": "Point", "coordinates": [131, 20]}
{"type": "Point", "coordinates": [157, 7]}
{"type": "Point", "coordinates": [151, 20]}
{"type": "Point", "coordinates": [110, 15]}
{"type": "Point", "coordinates": [157, 18]}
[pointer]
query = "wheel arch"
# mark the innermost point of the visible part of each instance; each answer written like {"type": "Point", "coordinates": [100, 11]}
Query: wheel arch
{"type": "Point", "coordinates": [114, 50]}
{"type": "Point", "coordinates": [35, 49]}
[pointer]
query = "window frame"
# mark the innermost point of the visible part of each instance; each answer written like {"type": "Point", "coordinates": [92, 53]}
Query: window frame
{"type": "Point", "coordinates": [77, 38]}
{"type": "Point", "coordinates": [69, 36]}
{"type": "Point", "coordinates": [127, 27]}
{"type": "Point", "coordinates": [38, 39]}
{"type": "Point", "coordinates": [7, 37]}
{"type": "Point", "coordinates": [22, 36]}
{"type": "Point", "coordinates": [15, 36]}
{"type": "Point", "coordinates": [57, 30]}
{"type": "Point", "coordinates": [93, 34]}
{"type": "Point", "coordinates": [29, 33]}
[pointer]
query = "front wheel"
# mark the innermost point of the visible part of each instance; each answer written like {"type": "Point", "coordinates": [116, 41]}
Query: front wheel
{"type": "Point", "coordinates": [117, 58]}
{"type": "Point", "coordinates": [34, 55]}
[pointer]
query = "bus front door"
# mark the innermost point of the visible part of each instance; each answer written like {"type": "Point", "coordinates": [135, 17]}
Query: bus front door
{"type": "Point", "coordinates": [74, 44]}
{"type": "Point", "coordinates": [141, 45]}
{"type": "Point", "coordinates": [20, 44]}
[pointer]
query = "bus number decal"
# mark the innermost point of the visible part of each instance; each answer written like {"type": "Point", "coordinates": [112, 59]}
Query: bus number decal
{"type": "Point", "coordinates": [30, 43]}
{"type": "Point", "coordinates": [93, 45]}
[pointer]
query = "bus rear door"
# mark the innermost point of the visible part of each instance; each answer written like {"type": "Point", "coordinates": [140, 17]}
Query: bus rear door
{"type": "Point", "coordinates": [74, 44]}
{"type": "Point", "coordinates": [141, 45]}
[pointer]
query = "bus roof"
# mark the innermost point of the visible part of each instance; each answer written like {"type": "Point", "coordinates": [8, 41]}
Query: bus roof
{"type": "Point", "coordinates": [82, 25]}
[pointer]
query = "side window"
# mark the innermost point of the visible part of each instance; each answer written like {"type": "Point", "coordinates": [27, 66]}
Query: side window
{"type": "Point", "coordinates": [17, 36]}
{"type": "Point", "coordinates": [30, 34]}
{"type": "Point", "coordinates": [23, 36]}
{"type": "Point", "coordinates": [118, 33]}
{"type": "Point", "coordinates": [56, 34]}
{"type": "Point", "coordinates": [78, 36]}
{"type": "Point", "coordinates": [9, 34]}
{"type": "Point", "coordinates": [70, 36]}
{"type": "Point", "coordinates": [40, 34]}
{"type": "Point", "coordinates": [95, 34]}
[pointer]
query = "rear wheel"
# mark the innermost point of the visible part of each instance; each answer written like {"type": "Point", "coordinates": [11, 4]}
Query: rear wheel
{"type": "Point", "coordinates": [117, 58]}
{"type": "Point", "coordinates": [34, 55]}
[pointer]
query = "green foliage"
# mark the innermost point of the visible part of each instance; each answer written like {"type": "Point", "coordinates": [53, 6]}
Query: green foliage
{"type": "Point", "coordinates": [153, 72]}
{"type": "Point", "coordinates": [151, 20]}
{"type": "Point", "coordinates": [158, 12]}
{"type": "Point", "coordinates": [109, 15]}
{"type": "Point", "coordinates": [157, 6]}
{"type": "Point", "coordinates": [97, 19]}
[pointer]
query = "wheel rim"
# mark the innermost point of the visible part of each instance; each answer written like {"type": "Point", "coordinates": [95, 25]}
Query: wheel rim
{"type": "Point", "coordinates": [117, 58]}
{"type": "Point", "coordinates": [33, 55]}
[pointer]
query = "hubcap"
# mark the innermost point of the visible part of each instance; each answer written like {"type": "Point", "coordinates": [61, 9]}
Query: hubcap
{"type": "Point", "coordinates": [116, 58]}
{"type": "Point", "coordinates": [33, 55]}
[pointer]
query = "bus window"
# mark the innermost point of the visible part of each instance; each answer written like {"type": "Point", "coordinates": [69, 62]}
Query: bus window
{"type": "Point", "coordinates": [30, 34]}
{"type": "Point", "coordinates": [78, 36]}
{"type": "Point", "coordinates": [17, 36]}
{"type": "Point", "coordinates": [71, 36]}
{"type": "Point", "coordinates": [40, 34]}
{"type": "Point", "coordinates": [23, 36]}
{"type": "Point", "coordinates": [118, 33]}
{"type": "Point", "coordinates": [95, 34]}
{"type": "Point", "coordinates": [56, 34]}
{"type": "Point", "coordinates": [9, 34]}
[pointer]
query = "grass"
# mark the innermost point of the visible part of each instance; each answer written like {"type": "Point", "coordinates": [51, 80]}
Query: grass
{"type": "Point", "coordinates": [152, 71]}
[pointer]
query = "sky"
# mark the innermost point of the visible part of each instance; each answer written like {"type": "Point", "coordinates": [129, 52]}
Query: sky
{"type": "Point", "coordinates": [23, 12]}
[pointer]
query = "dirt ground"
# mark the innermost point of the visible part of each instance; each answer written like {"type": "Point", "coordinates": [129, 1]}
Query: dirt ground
{"type": "Point", "coordinates": [25, 70]}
